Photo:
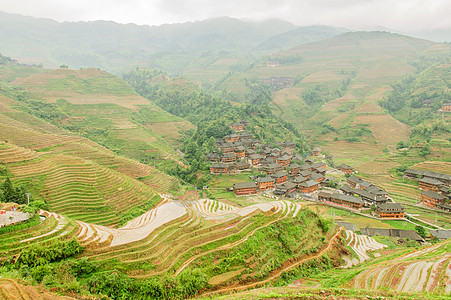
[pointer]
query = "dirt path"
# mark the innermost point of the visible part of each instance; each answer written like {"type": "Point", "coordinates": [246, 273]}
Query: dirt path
{"type": "Point", "coordinates": [250, 285]}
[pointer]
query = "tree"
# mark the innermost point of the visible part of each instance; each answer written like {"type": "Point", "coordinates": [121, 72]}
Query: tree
{"type": "Point", "coordinates": [420, 230]}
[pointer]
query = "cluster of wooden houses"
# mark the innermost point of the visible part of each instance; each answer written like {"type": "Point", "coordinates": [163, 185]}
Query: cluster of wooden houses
{"type": "Point", "coordinates": [285, 179]}
{"type": "Point", "coordinates": [359, 193]}
{"type": "Point", "coordinates": [435, 188]}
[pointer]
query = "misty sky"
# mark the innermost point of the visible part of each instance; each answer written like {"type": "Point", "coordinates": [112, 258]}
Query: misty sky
{"type": "Point", "coordinates": [402, 15]}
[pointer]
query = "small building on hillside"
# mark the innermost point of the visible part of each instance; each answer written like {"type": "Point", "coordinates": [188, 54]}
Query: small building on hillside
{"type": "Point", "coordinates": [444, 207]}
{"type": "Point", "coordinates": [390, 210]}
{"type": "Point", "coordinates": [232, 138]}
{"type": "Point", "coordinates": [285, 188]}
{"type": "Point", "coordinates": [306, 173]}
{"type": "Point", "coordinates": [226, 148]}
{"type": "Point", "coordinates": [240, 152]}
{"type": "Point", "coordinates": [244, 188]}
{"type": "Point", "coordinates": [377, 191]}
{"type": "Point", "coordinates": [318, 165]}
{"type": "Point", "coordinates": [398, 233]}
{"type": "Point", "coordinates": [308, 161]}
{"type": "Point", "coordinates": [346, 169]}
{"type": "Point", "coordinates": [294, 169]}
{"type": "Point", "coordinates": [325, 195]}
{"type": "Point", "coordinates": [240, 166]}
{"type": "Point", "coordinates": [430, 184]}
{"type": "Point", "coordinates": [229, 157]}
{"type": "Point", "coordinates": [213, 157]}
{"type": "Point", "coordinates": [308, 186]}
{"type": "Point", "coordinates": [446, 106]}
{"type": "Point", "coordinates": [432, 199]}
{"type": "Point", "coordinates": [280, 176]}
{"type": "Point", "coordinates": [350, 201]}
{"type": "Point", "coordinates": [317, 177]}
{"type": "Point", "coordinates": [283, 160]}
{"type": "Point", "coordinates": [238, 127]}
{"type": "Point", "coordinates": [316, 151]}
{"type": "Point", "coordinates": [265, 183]}
{"type": "Point", "coordinates": [440, 234]}
{"type": "Point", "coordinates": [272, 168]}
{"type": "Point", "coordinates": [254, 159]}
{"type": "Point", "coordinates": [216, 169]}
{"type": "Point", "coordinates": [300, 179]}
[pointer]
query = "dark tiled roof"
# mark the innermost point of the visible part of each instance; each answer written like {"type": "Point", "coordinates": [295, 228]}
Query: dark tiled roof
{"type": "Point", "coordinates": [300, 179]}
{"type": "Point", "coordinates": [219, 166]}
{"type": "Point", "coordinates": [432, 181]}
{"type": "Point", "coordinates": [279, 174]}
{"type": "Point", "coordinates": [404, 234]}
{"type": "Point", "coordinates": [441, 234]}
{"type": "Point", "coordinates": [308, 183]}
{"type": "Point", "coordinates": [244, 185]}
{"type": "Point", "coordinates": [433, 195]}
{"type": "Point", "coordinates": [347, 198]}
{"type": "Point", "coordinates": [390, 207]}
{"type": "Point", "coordinates": [265, 179]}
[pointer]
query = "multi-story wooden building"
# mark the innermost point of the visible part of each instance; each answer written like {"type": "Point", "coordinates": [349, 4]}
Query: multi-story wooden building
{"type": "Point", "coordinates": [430, 184]}
{"type": "Point", "coordinates": [432, 199]}
{"type": "Point", "coordinates": [283, 160]}
{"type": "Point", "coordinates": [226, 147]}
{"type": "Point", "coordinates": [294, 169]}
{"type": "Point", "coordinates": [347, 200]}
{"type": "Point", "coordinates": [316, 151]}
{"type": "Point", "coordinates": [244, 188]}
{"type": "Point", "coordinates": [446, 106]}
{"type": "Point", "coordinates": [254, 159]}
{"type": "Point", "coordinates": [308, 186]}
{"type": "Point", "coordinates": [240, 152]}
{"type": "Point", "coordinates": [346, 169]}
{"type": "Point", "coordinates": [317, 177]}
{"type": "Point", "coordinates": [229, 157]}
{"type": "Point", "coordinates": [213, 157]}
{"type": "Point", "coordinates": [216, 169]}
{"type": "Point", "coordinates": [238, 127]}
{"type": "Point", "coordinates": [280, 176]}
{"type": "Point", "coordinates": [390, 210]}
{"type": "Point", "coordinates": [265, 183]}
{"type": "Point", "coordinates": [285, 188]}
{"type": "Point", "coordinates": [272, 168]}
{"type": "Point", "coordinates": [232, 138]}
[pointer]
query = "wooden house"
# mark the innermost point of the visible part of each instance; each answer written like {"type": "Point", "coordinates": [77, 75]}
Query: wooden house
{"type": "Point", "coordinates": [325, 195]}
{"type": "Point", "coordinates": [305, 173]}
{"type": "Point", "coordinates": [446, 106]}
{"type": "Point", "coordinates": [213, 157]}
{"type": "Point", "coordinates": [432, 199]}
{"type": "Point", "coordinates": [318, 165]}
{"type": "Point", "coordinates": [216, 169]}
{"type": "Point", "coordinates": [280, 176]}
{"type": "Point", "coordinates": [390, 210]}
{"type": "Point", "coordinates": [254, 159]}
{"type": "Point", "coordinates": [308, 186]}
{"type": "Point", "coordinates": [265, 183]}
{"type": "Point", "coordinates": [347, 200]}
{"type": "Point", "coordinates": [283, 160]}
{"type": "Point", "coordinates": [430, 184]}
{"type": "Point", "coordinates": [308, 161]}
{"type": "Point", "coordinates": [240, 152]}
{"type": "Point", "coordinates": [294, 169]}
{"type": "Point", "coordinates": [346, 169]}
{"type": "Point", "coordinates": [316, 151]}
{"type": "Point", "coordinates": [285, 188]}
{"type": "Point", "coordinates": [239, 166]}
{"type": "Point", "coordinates": [238, 127]}
{"type": "Point", "coordinates": [272, 168]}
{"type": "Point", "coordinates": [317, 177]}
{"type": "Point", "coordinates": [229, 157]}
{"type": "Point", "coordinates": [232, 138]}
{"type": "Point", "coordinates": [244, 188]}
{"type": "Point", "coordinates": [226, 147]}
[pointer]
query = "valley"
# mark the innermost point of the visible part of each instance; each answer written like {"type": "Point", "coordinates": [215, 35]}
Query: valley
{"type": "Point", "coordinates": [237, 173]}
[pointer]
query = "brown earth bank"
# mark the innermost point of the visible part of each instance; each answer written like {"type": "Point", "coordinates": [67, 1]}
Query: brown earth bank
{"type": "Point", "coordinates": [12, 290]}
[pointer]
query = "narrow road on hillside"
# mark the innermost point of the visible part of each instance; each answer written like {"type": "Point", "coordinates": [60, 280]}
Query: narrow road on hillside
{"type": "Point", "coordinates": [250, 285]}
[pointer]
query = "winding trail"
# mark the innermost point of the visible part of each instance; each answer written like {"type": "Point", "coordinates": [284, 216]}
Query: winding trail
{"type": "Point", "coordinates": [274, 276]}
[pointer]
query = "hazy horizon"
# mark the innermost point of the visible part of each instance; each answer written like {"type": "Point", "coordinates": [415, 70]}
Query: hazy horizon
{"type": "Point", "coordinates": [403, 15]}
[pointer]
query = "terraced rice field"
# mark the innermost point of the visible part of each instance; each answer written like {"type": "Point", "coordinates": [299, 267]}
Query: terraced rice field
{"type": "Point", "coordinates": [424, 270]}
{"type": "Point", "coordinates": [360, 244]}
{"type": "Point", "coordinates": [11, 290]}
{"type": "Point", "coordinates": [53, 227]}
{"type": "Point", "coordinates": [174, 234]}
{"type": "Point", "coordinates": [78, 188]}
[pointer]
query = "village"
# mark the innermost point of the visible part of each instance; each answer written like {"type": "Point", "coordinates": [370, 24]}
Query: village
{"type": "Point", "coordinates": [288, 175]}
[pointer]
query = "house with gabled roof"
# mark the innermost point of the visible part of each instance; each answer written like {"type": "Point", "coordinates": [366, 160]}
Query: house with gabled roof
{"type": "Point", "coordinates": [280, 176]}
{"type": "Point", "coordinates": [244, 188]}
{"type": "Point", "coordinates": [347, 169]}
{"type": "Point", "coordinates": [308, 186]}
{"type": "Point", "coordinates": [430, 184]}
{"type": "Point", "coordinates": [216, 169]}
{"type": "Point", "coordinates": [431, 198]}
{"type": "Point", "coordinates": [294, 169]}
{"type": "Point", "coordinates": [229, 157]}
{"type": "Point", "coordinates": [390, 210]}
{"type": "Point", "coordinates": [272, 168]}
{"type": "Point", "coordinates": [265, 183]}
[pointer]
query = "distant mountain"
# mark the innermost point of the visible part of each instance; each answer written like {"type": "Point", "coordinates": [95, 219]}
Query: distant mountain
{"type": "Point", "coordinates": [118, 47]}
